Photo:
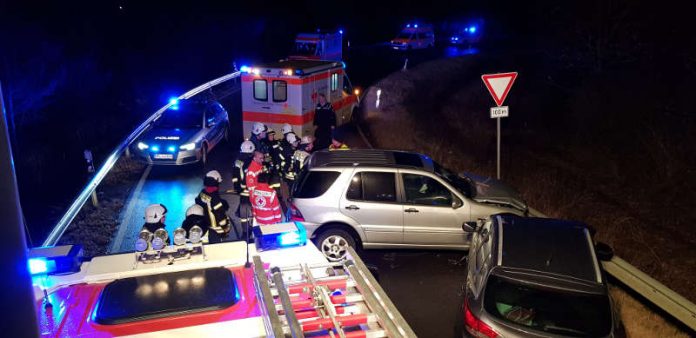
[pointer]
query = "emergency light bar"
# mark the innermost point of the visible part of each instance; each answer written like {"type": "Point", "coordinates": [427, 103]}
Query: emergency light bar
{"type": "Point", "coordinates": [54, 259]}
{"type": "Point", "coordinates": [279, 235]}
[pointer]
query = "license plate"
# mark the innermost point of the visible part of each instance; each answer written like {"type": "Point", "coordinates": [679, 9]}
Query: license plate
{"type": "Point", "coordinates": [164, 156]}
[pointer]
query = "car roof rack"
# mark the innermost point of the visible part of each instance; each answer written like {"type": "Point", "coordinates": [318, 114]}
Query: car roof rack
{"type": "Point", "coordinates": [342, 298]}
{"type": "Point", "coordinates": [369, 157]}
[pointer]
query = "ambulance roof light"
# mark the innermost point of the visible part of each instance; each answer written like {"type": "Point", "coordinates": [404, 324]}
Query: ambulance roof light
{"type": "Point", "coordinates": [245, 69]}
{"type": "Point", "coordinates": [472, 29]}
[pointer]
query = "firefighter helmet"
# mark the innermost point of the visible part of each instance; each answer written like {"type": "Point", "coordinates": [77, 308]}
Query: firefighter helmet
{"type": "Point", "coordinates": [258, 128]}
{"type": "Point", "coordinates": [154, 213]}
{"type": "Point", "coordinates": [307, 139]}
{"type": "Point", "coordinates": [195, 210]}
{"type": "Point", "coordinates": [291, 138]}
{"type": "Point", "coordinates": [286, 128]}
{"type": "Point", "coordinates": [214, 174]}
{"type": "Point", "coordinates": [247, 147]}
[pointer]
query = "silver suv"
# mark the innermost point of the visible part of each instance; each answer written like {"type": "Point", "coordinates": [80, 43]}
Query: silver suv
{"type": "Point", "coordinates": [392, 199]}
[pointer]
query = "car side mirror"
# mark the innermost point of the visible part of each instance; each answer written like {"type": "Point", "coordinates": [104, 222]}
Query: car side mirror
{"type": "Point", "coordinates": [469, 227]}
{"type": "Point", "coordinates": [603, 251]}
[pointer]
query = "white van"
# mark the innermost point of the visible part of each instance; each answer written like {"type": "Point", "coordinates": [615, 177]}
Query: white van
{"type": "Point", "coordinates": [414, 36]}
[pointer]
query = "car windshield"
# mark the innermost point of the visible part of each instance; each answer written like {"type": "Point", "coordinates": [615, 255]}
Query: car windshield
{"type": "Point", "coordinates": [186, 115]}
{"type": "Point", "coordinates": [465, 186]}
{"type": "Point", "coordinates": [564, 313]}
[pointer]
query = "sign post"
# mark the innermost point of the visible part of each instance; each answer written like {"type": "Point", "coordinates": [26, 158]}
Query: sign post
{"type": "Point", "coordinates": [499, 86]}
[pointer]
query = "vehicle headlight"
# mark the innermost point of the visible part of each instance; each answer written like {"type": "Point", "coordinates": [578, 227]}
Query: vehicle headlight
{"type": "Point", "coordinates": [142, 146]}
{"type": "Point", "coordinates": [188, 146]}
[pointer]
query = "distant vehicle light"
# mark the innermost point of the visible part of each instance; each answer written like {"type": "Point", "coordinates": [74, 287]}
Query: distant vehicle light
{"type": "Point", "coordinates": [155, 148]}
{"type": "Point", "coordinates": [408, 26]}
{"type": "Point", "coordinates": [245, 69]}
{"type": "Point", "coordinates": [171, 149]}
{"type": "Point", "coordinates": [466, 29]}
{"type": "Point", "coordinates": [188, 146]}
{"type": "Point", "coordinates": [256, 71]}
{"type": "Point", "coordinates": [356, 91]}
{"type": "Point", "coordinates": [142, 146]}
{"type": "Point", "coordinates": [472, 29]}
{"type": "Point", "coordinates": [415, 26]}
{"type": "Point", "coordinates": [340, 31]}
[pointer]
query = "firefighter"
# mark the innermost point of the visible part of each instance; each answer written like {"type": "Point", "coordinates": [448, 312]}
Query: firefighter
{"type": "Point", "coordinates": [214, 206]}
{"type": "Point", "coordinates": [301, 154]}
{"type": "Point", "coordinates": [325, 122]}
{"type": "Point", "coordinates": [286, 129]}
{"type": "Point", "coordinates": [258, 134]}
{"type": "Point", "coordinates": [154, 217]}
{"type": "Point", "coordinates": [274, 151]}
{"type": "Point", "coordinates": [288, 146]}
{"type": "Point", "coordinates": [243, 212]}
{"type": "Point", "coordinates": [195, 216]}
{"type": "Point", "coordinates": [264, 201]}
{"type": "Point", "coordinates": [337, 141]}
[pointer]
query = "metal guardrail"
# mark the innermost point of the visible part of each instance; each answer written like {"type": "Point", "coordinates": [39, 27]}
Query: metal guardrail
{"type": "Point", "coordinates": [110, 161]}
{"type": "Point", "coordinates": [657, 293]}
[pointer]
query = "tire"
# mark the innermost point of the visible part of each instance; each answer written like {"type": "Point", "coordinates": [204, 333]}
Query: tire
{"type": "Point", "coordinates": [333, 242]}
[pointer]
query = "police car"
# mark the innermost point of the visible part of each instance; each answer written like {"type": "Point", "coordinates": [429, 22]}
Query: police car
{"type": "Point", "coordinates": [184, 134]}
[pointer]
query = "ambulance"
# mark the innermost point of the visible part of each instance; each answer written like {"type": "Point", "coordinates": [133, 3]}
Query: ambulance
{"type": "Point", "coordinates": [319, 46]}
{"type": "Point", "coordinates": [287, 92]}
{"type": "Point", "coordinates": [414, 36]}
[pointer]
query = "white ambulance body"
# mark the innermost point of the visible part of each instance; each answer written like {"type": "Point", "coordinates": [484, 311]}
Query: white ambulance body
{"type": "Point", "coordinates": [318, 46]}
{"type": "Point", "coordinates": [286, 92]}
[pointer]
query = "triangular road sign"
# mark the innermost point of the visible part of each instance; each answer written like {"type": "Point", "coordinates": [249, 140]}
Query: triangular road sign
{"type": "Point", "coordinates": [499, 85]}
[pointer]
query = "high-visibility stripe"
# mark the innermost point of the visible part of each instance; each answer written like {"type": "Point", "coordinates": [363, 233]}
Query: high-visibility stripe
{"type": "Point", "coordinates": [298, 120]}
{"type": "Point", "coordinates": [217, 206]}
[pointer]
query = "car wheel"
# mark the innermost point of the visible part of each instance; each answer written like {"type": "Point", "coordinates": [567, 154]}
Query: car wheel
{"type": "Point", "coordinates": [334, 244]}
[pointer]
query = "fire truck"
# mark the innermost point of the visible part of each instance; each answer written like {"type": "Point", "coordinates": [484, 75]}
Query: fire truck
{"type": "Point", "coordinates": [287, 91]}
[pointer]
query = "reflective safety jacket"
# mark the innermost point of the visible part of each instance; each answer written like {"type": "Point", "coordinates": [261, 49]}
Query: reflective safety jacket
{"type": "Point", "coordinates": [216, 210]}
{"type": "Point", "coordinates": [343, 146]}
{"type": "Point", "coordinates": [298, 161]}
{"type": "Point", "coordinates": [264, 201]}
{"type": "Point", "coordinates": [239, 176]}
{"type": "Point", "coordinates": [252, 175]}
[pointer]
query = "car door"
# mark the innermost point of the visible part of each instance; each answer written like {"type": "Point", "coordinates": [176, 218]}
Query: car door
{"type": "Point", "coordinates": [433, 214]}
{"type": "Point", "coordinates": [214, 125]}
{"type": "Point", "coordinates": [371, 199]}
{"type": "Point", "coordinates": [480, 254]}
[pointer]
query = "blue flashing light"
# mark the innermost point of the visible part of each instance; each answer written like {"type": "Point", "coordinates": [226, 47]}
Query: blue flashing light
{"type": "Point", "coordinates": [38, 266]}
{"type": "Point", "coordinates": [343, 64]}
{"type": "Point", "coordinates": [466, 29]}
{"type": "Point", "coordinates": [173, 101]}
{"type": "Point", "coordinates": [171, 149]}
{"type": "Point", "coordinates": [155, 148]}
{"type": "Point", "coordinates": [472, 29]}
{"type": "Point", "coordinates": [415, 26]}
{"type": "Point", "coordinates": [408, 26]}
{"type": "Point", "coordinates": [340, 31]}
{"type": "Point", "coordinates": [245, 69]}
{"type": "Point", "coordinates": [280, 235]}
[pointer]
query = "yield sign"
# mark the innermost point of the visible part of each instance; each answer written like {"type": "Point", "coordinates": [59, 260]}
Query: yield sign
{"type": "Point", "coordinates": [499, 85]}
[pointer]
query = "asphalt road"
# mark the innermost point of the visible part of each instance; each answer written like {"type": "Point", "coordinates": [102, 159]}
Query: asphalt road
{"type": "Point", "coordinates": [426, 286]}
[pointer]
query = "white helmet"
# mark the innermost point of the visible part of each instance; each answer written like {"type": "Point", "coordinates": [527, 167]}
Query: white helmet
{"type": "Point", "coordinates": [195, 210]}
{"type": "Point", "coordinates": [291, 138]}
{"type": "Point", "coordinates": [247, 147]}
{"type": "Point", "coordinates": [258, 128]}
{"type": "Point", "coordinates": [154, 213]}
{"type": "Point", "coordinates": [307, 139]}
{"type": "Point", "coordinates": [214, 174]}
{"type": "Point", "coordinates": [286, 128]}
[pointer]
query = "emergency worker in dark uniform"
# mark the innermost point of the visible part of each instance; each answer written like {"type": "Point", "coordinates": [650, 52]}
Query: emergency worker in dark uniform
{"type": "Point", "coordinates": [195, 216]}
{"type": "Point", "coordinates": [214, 206]}
{"type": "Point", "coordinates": [243, 212]}
{"type": "Point", "coordinates": [325, 122]}
{"type": "Point", "coordinates": [258, 135]}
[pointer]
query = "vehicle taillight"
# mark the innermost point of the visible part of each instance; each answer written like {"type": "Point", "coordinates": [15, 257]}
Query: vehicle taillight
{"type": "Point", "coordinates": [475, 326]}
{"type": "Point", "coordinates": [295, 214]}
